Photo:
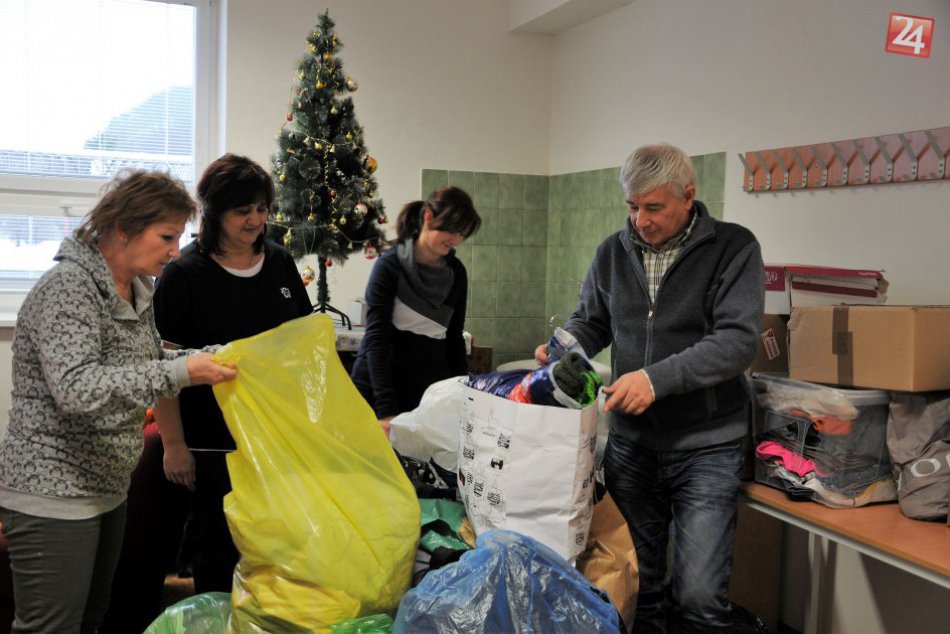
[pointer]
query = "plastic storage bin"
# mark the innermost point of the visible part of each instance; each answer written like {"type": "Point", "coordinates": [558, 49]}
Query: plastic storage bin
{"type": "Point", "coordinates": [822, 443]}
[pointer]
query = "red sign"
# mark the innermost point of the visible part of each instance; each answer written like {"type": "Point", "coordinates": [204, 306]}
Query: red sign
{"type": "Point", "coordinates": [909, 35]}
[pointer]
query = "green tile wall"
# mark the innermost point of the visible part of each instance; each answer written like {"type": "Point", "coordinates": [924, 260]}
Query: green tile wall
{"type": "Point", "coordinates": [538, 235]}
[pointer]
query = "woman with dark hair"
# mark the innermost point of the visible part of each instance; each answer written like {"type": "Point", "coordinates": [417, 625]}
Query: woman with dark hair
{"type": "Point", "coordinates": [416, 298]}
{"type": "Point", "coordinates": [230, 283]}
{"type": "Point", "coordinates": [87, 363]}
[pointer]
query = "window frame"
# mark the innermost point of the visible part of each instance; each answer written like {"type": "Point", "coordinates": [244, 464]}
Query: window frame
{"type": "Point", "coordinates": [56, 196]}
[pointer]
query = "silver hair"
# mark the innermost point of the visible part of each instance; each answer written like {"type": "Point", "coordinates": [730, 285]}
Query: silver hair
{"type": "Point", "coordinates": [653, 166]}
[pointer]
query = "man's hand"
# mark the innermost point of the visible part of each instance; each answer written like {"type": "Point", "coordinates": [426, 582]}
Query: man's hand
{"type": "Point", "coordinates": [631, 393]}
{"type": "Point", "coordinates": [179, 465]}
{"type": "Point", "coordinates": [541, 354]}
{"type": "Point", "coordinates": [384, 424]}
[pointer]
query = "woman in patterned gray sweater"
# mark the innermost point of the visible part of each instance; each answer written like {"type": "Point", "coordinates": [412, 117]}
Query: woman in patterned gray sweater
{"type": "Point", "coordinates": [87, 363]}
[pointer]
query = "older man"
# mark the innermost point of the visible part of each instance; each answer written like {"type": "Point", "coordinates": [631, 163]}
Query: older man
{"type": "Point", "coordinates": [679, 297]}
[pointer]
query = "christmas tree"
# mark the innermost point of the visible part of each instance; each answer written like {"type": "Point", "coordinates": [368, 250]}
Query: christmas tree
{"type": "Point", "coordinates": [326, 202]}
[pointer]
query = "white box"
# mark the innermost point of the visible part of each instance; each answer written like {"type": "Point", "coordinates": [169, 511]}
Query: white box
{"type": "Point", "coordinates": [791, 285]}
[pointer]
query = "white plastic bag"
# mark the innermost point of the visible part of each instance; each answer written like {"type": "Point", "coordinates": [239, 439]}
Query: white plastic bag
{"type": "Point", "coordinates": [431, 431]}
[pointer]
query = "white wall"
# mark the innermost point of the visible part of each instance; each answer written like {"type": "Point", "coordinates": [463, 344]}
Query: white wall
{"type": "Point", "coordinates": [441, 84]}
{"type": "Point", "coordinates": [733, 76]}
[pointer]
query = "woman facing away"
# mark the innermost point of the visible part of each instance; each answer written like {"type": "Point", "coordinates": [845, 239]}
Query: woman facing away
{"type": "Point", "coordinates": [230, 283]}
{"type": "Point", "coordinates": [416, 299]}
{"type": "Point", "coordinates": [87, 363]}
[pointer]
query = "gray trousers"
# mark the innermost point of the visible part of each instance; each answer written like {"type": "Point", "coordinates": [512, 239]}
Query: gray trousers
{"type": "Point", "coordinates": [62, 570]}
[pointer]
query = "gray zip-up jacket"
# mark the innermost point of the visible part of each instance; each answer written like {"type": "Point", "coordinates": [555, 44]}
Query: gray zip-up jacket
{"type": "Point", "coordinates": [86, 366]}
{"type": "Point", "coordinates": [694, 341]}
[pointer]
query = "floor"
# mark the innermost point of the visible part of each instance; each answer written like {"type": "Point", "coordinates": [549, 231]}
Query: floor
{"type": "Point", "coordinates": [176, 589]}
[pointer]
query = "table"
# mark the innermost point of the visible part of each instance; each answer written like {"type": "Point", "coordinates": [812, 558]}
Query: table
{"type": "Point", "coordinates": [879, 531]}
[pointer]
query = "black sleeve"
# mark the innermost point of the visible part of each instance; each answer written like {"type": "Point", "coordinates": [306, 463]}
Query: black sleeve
{"type": "Point", "coordinates": [171, 306]}
{"type": "Point", "coordinates": [378, 340]}
{"type": "Point", "coordinates": [454, 342]}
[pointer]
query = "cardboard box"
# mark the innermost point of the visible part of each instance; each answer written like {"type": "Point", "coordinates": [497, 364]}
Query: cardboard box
{"type": "Point", "coordinates": [791, 285]}
{"type": "Point", "coordinates": [773, 345]}
{"type": "Point", "coordinates": [903, 348]}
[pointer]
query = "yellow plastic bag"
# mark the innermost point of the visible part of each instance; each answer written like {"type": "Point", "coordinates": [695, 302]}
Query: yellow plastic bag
{"type": "Point", "coordinates": [323, 515]}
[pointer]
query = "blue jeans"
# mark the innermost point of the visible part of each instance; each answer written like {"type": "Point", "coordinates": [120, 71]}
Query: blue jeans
{"type": "Point", "coordinates": [697, 491]}
{"type": "Point", "coordinates": [62, 569]}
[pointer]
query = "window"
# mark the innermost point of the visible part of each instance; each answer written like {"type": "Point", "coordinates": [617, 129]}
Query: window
{"type": "Point", "coordinates": [90, 87]}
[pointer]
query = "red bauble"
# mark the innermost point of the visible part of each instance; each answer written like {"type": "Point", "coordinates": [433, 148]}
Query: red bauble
{"type": "Point", "coordinates": [329, 262]}
{"type": "Point", "coordinates": [290, 117]}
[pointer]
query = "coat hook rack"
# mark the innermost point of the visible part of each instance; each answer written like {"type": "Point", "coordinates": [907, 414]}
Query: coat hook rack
{"type": "Point", "coordinates": [881, 159]}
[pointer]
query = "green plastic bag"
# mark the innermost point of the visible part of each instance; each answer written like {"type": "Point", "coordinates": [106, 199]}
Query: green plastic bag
{"type": "Point", "coordinates": [375, 624]}
{"type": "Point", "coordinates": [441, 522]}
{"type": "Point", "coordinates": [201, 614]}
{"type": "Point", "coordinates": [323, 515]}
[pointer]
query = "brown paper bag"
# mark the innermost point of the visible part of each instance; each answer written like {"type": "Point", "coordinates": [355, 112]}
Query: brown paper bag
{"type": "Point", "coordinates": [610, 561]}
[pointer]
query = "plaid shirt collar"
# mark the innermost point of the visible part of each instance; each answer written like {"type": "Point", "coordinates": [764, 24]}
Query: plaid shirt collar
{"type": "Point", "coordinates": [656, 261]}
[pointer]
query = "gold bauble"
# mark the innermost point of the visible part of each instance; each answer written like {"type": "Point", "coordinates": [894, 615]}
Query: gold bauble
{"type": "Point", "coordinates": [349, 136]}
{"type": "Point", "coordinates": [370, 164]}
{"type": "Point", "coordinates": [321, 85]}
{"type": "Point", "coordinates": [351, 84]}
{"type": "Point", "coordinates": [334, 110]}
{"type": "Point", "coordinates": [283, 177]}
{"type": "Point", "coordinates": [327, 57]}
{"type": "Point", "coordinates": [310, 217]}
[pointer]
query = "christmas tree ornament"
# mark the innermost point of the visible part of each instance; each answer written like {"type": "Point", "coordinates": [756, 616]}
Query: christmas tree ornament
{"type": "Point", "coordinates": [327, 57]}
{"type": "Point", "coordinates": [287, 238]}
{"type": "Point", "coordinates": [310, 217]}
{"type": "Point", "coordinates": [308, 275]}
{"type": "Point", "coordinates": [289, 117]}
{"type": "Point", "coordinates": [313, 48]}
{"type": "Point", "coordinates": [318, 146]}
{"type": "Point", "coordinates": [370, 164]}
{"type": "Point", "coordinates": [283, 177]}
{"type": "Point", "coordinates": [382, 220]}
{"type": "Point", "coordinates": [332, 193]}
{"type": "Point", "coordinates": [349, 136]}
{"type": "Point", "coordinates": [328, 263]}
{"type": "Point", "coordinates": [320, 85]}
{"type": "Point", "coordinates": [334, 111]}
{"type": "Point", "coordinates": [361, 209]}
{"type": "Point", "coordinates": [343, 220]}
{"type": "Point", "coordinates": [351, 84]}
{"type": "Point", "coordinates": [370, 252]}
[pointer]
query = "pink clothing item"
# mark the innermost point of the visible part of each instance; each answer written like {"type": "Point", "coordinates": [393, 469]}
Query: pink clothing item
{"type": "Point", "coordinates": [793, 462]}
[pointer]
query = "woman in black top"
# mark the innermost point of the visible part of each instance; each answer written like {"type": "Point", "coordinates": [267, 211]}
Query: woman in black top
{"type": "Point", "coordinates": [229, 284]}
{"type": "Point", "coordinates": [416, 298]}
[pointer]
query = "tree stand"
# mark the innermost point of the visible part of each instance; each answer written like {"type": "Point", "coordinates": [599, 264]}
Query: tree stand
{"type": "Point", "coordinates": [323, 297]}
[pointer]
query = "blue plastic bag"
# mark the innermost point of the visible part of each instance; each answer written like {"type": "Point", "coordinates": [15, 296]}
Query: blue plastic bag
{"type": "Point", "coordinates": [509, 583]}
